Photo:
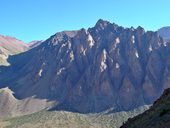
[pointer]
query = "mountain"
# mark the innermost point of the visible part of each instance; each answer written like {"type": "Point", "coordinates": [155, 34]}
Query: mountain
{"type": "Point", "coordinates": [165, 33]}
{"type": "Point", "coordinates": [158, 116]}
{"type": "Point", "coordinates": [90, 71]}
{"type": "Point", "coordinates": [10, 46]}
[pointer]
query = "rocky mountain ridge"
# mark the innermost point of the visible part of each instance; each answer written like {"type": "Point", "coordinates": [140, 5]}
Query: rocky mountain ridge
{"type": "Point", "coordinates": [107, 66]}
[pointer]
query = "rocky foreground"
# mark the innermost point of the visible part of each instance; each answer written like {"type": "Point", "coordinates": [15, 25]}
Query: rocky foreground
{"type": "Point", "coordinates": [158, 116]}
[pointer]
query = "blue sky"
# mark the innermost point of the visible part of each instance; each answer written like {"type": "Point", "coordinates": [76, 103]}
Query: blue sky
{"type": "Point", "coordinates": [38, 19]}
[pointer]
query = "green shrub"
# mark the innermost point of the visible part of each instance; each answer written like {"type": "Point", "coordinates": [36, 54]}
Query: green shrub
{"type": "Point", "coordinates": [163, 112]}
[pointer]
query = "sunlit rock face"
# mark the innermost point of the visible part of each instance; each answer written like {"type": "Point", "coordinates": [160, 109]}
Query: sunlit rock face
{"type": "Point", "coordinates": [92, 70]}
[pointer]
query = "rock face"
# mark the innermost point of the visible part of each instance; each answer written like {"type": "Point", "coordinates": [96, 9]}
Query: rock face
{"type": "Point", "coordinates": [165, 33]}
{"type": "Point", "coordinates": [92, 70]}
{"type": "Point", "coordinates": [10, 46]}
{"type": "Point", "coordinates": [158, 116]}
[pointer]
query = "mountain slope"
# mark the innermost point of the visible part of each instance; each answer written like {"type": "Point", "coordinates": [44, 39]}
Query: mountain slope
{"type": "Point", "coordinates": [10, 106]}
{"type": "Point", "coordinates": [158, 116]}
{"type": "Point", "coordinates": [10, 46]}
{"type": "Point", "coordinates": [92, 70]}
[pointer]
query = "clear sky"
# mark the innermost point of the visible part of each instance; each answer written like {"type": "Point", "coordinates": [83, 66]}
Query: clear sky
{"type": "Point", "coordinates": [38, 19]}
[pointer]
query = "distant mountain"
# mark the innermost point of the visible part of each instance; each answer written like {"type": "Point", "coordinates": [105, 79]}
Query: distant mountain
{"type": "Point", "coordinates": [10, 46]}
{"type": "Point", "coordinates": [165, 32]}
{"type": "Point", "coordinates": [107, 67]}
{"type": "Point", "coordinates": [158, 116]}
{"type": "Point", "coordinates": [34, 43]}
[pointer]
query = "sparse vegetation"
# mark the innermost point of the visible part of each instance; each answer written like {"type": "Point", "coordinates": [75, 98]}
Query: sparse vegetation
{"type": "Point", "coordinates": [62, 119]}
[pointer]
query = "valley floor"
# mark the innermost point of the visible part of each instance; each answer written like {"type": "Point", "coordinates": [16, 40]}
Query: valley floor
{"type": "Point", "coordinates": [62, 119]}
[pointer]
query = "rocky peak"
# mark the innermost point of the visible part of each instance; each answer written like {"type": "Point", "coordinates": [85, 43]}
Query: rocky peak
{"type": "Point", "coordinates": [102, 24]}
{"type": "Point", "coordinates": [61, 37]}
{"type": "Point", "coordinates": [140, 28]}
